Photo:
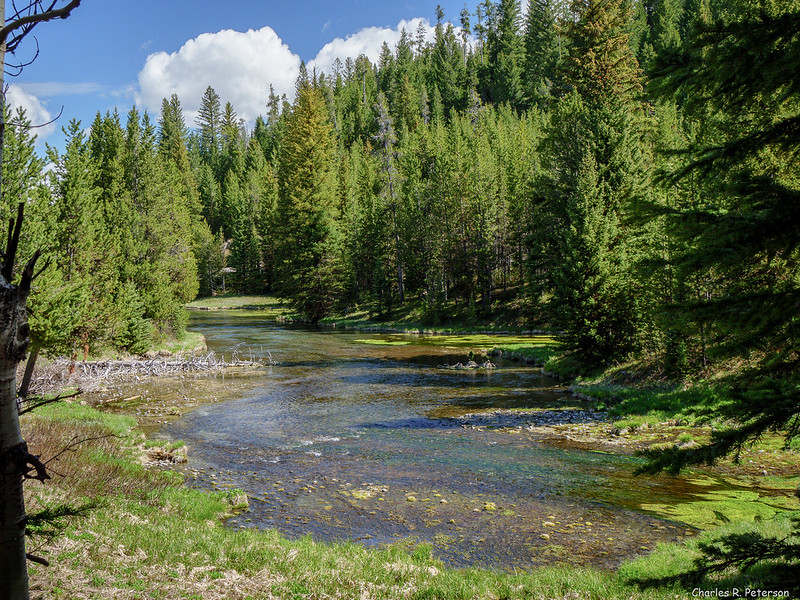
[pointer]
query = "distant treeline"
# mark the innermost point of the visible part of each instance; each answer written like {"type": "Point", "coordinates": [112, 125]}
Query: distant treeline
{"type": "Point", "coordinates": [630, 170]}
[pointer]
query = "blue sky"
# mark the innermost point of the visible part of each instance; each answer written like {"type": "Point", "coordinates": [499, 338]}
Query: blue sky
{"type": "Point", "coordinates": [111, 53]}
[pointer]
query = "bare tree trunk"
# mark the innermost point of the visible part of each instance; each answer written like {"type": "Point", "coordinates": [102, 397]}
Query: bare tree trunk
{"type": "Point", "coordinates": [13, 567]}
{"type": "Point", "coordinates": [30, 366]}
{"type": "Point", "coordinates": [14, 456]}
{"type": "Point", "coordinates": [13, 562]}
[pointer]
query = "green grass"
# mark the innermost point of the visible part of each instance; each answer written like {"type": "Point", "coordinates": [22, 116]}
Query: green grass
{"type": "Point", "coordinates": [669, 560]}
{"type": "Point", "coordinates": [238, 301]}
{"type": "Point", "coordinates": [73, 413]}
{"type": "Point", "coordinates": [537, 351]}
{"type": "Point", "coordinates": [693, 405]}
{"type": "Point", "coordinates": [188, 343]}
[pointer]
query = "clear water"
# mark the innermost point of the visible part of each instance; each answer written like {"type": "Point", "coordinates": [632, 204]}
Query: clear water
{"type": "Point", "coordinates": [351, 436]}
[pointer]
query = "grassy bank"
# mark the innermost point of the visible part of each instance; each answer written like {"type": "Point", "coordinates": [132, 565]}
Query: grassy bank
{"type": "Point", "coordinates": [536, 352]}
{"type": "Point", "coordinates": [269, 304]}
{"type": "Point", "coordinates": [509, 314]}
{"type": "Point", "coordinates": [413, 316]}
{"type": "Point", "coordinates": [144, 535]}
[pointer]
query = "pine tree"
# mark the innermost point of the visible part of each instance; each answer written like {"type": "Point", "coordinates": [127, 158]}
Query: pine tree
{"type": "Point", "coordinates": [55, 307]}
{"type": "Point", "coordinates": [505, 56]}
{"type": "Point", "coordinates": [79, 231]}
{"type": "Point", "coordinates": [308, 269]}
{"type": "Point", "coordinates": [209, 124]}
{"type": "Point", "coordinates": [387, 140]}
{"type": "Point", "coordinates": [447, 69]}
{"type": "Point", "coordinates": [595, 141]}
{"type": "Point", "coordinates": [544, 53]}
{"type": "Point", "coordinates": [742, 228]}
{"type": "Point", "coordinates": [163, 267]}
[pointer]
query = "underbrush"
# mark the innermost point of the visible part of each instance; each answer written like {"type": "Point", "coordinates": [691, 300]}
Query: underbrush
{"type": "Point", "coordinates": [509, 313]}
{"type": "Point", "coordinates": [710, 561]}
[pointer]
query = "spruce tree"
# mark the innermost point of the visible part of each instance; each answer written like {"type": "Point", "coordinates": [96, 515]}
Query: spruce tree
{"type": "Point", "coordinates": [308, 269]}
{"type": "Point", "coordinates": [742, 228]}
{"type": "Point", "coordinates": [209, 124]}
{"type": "Point", "coordinates": [544, 53]}
{"type": "Point", "coordinates": [78, 254]}
{"type": "Point", "coordinates": [597, 159]}
{"type": "Point", "coordinates": [387, 141]}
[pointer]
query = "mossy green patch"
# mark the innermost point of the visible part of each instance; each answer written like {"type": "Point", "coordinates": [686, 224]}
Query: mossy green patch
{"type": "Point", "coordinates": [382, 342]}
{"type": "Point", "coordinates": [716, 507]}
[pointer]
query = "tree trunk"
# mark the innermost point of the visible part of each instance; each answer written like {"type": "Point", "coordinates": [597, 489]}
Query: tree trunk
{"type": "Point", "coordinates": [16, 463]}
{"type": "Point", "coordinates": [30, 366]}
{"type": "Point", "coordinates": [13, 452]}
{"type": "Point", "coordinates": [13, 567]}
{"type": "Point", "coordinates": [13, 563]}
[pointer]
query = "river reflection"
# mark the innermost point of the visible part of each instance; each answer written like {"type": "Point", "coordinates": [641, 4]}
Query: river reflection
{"type": "Point", "coordinates": [351, 436]}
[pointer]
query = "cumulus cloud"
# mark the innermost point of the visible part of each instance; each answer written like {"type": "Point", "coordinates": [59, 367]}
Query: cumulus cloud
{"type": "Point", "coordinates": [367, 41]}
{"type": "Point", "coordinates": [239, 66]}
{"type": "Point", "coordinates": [35, 109]}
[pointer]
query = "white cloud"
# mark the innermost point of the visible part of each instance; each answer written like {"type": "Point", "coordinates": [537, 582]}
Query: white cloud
{"type": "Point", "coordinates": [367, 41]}
{"type": "Point", "coordinates": [35, 110]}
{"type": "Point", "coordinates": [239, 66]}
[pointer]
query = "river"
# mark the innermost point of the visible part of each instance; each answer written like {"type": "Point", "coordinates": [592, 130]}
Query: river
{"type": "Point", "coordinates": [355, 436]}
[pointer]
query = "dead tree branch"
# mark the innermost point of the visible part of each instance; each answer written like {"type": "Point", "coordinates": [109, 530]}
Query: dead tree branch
{"type": "Point", "coordinates": [22, 24]}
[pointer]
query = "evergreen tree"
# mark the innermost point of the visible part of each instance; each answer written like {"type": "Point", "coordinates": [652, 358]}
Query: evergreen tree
{"type": "Point", "coordinates": [598, 166]}
{"type": "Point", "coordinates": [544, 52]}
{"type": "Point", "coordinates": [307, 253]}
{"type": "Point", "coordinates": [209, 124]}
{"type": "Point", "coordinates": [163, 268]}
{"type": "Point", "coordinates": [742, 229]}
{"type": "Point", "coordinates": [387, 140]}
{"type": "Point", "coordinates": [78, 237]}
{"type": "Point", "coordinates": [505, 55]}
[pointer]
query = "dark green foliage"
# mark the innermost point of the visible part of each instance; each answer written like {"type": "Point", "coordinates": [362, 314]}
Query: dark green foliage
{"type": "Point", "coordinates": [544, 52]}
{"type": "Point", "coordinates": [741, 233]}
{"type": "Point", "coordinates": [308, 263]}
{"type": "Point", "coordinates": [596, 159]}
{"type": "Point", "coordinates": [515, 166]}
{"type": "Point", "coordinates": [52, 520]}
{"type": "Point", "coordinates": [136, 332]}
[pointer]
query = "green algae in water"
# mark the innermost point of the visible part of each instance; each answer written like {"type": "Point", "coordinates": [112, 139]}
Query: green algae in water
{"type": "Point", "coordinates": [380, 342]}
{"type": "Point", "coordinates": [478, 341]}
{"type": "Point", "coordinates": [721, 506]}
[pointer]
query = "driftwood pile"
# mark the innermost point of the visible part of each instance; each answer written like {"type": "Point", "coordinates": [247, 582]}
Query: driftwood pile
{"type": "Point", "coordinates": [470, 365]}
{"type": "Point", "coordinates": [157, 366]}
{"type": "Point", "coordinates": [88, 375]}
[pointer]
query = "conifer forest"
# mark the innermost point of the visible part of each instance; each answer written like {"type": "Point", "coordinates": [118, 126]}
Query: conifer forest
{"type": "Point", "coordinates": [627, 169]}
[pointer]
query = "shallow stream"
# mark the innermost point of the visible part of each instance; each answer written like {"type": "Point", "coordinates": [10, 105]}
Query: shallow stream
{"type": "Point", "coordinates": [355, 436]}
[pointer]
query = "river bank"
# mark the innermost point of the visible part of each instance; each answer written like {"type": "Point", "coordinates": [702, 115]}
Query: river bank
{"type": "Point", "coordinates": [148, 536]}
